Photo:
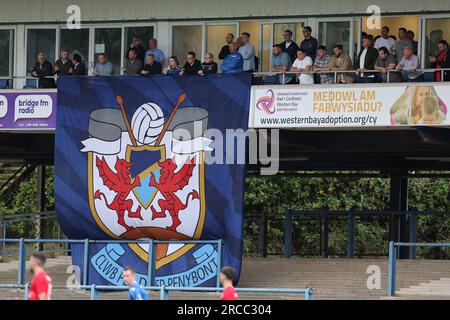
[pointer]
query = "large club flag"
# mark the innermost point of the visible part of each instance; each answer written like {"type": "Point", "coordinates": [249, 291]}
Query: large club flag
{"type": "Point", "coordinates": [129, 164]}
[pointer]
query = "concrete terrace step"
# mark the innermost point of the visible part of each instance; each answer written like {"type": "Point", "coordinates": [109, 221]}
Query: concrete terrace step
{"type": "Point", "coordinates": [443, 295]}
{"type": "Point", "coordinates": [337, 278]}
{"type": "Point", "coordinates": [432, 288]}
{"type": "Point", "coordinates": [13, 265]}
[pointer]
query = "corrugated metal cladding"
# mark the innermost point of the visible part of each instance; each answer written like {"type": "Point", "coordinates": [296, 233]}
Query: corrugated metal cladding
{"type": "Point", "coordinates": [14, 11]}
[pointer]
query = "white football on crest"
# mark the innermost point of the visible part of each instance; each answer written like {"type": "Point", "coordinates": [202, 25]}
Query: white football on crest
{"type": "Point", "coordinates": [147, 123]}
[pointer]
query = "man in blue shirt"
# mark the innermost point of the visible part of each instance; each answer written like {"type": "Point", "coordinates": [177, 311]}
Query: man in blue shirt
{"type": "Point", "coordinates": [281, 63]}
{"type": "Point", "coordinates": [153, 49]}
{"type": "Point", "coordinates": [234, 62]}
{"type": "Point", "coordinates": [136, 292]}
{"type": "Point", "coordinates": [103, 67]}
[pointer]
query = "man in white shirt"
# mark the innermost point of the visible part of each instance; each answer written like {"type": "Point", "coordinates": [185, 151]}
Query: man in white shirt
{"type": "Point", "coordinates": [366, 61]}
{"type": "Point", "coordinates": [385, 41]}
{"type": "Point", "coordinates": [248, 52]}
{"type": "Point", "coordinates": [303, 63]}
{"type": "Point", "coordinates": [409, 65]}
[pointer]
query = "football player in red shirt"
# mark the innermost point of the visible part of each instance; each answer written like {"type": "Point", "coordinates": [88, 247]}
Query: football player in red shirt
{"type": "Point", "coordinates": [41, 285]}
{"type": "Point", "coordinates": [227, 275]}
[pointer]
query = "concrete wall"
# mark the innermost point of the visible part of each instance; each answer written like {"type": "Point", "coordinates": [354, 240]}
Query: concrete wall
{"type": "Point", "coordinates": [51, 11]}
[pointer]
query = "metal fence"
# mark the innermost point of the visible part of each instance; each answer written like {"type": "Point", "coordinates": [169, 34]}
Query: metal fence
{"type": "Point", "coordinates": [281, 76]}
{"type": "Point", "coordinates": [285, 234]}
{"type": "Point", "coordinates": [264, 234]}
{"type": "Point", "coordinates": [392, 262]}
{"type": "Point", "coordinates": [308, 293]}
{"type": "Point", "coordinates": [163, 290]}
{"type": "Point", "coordinates": [31, 225]}
{"type": "Point", "coordinates": [28, 82]}
{"type": "Point", "coordinates": [87, 242]}
{"type": "Point", "coordinates": [33, 82]}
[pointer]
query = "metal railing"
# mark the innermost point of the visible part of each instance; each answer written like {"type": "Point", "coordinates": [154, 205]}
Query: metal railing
{"type": "Point", "coordinates": [20, 217]}
{"type": "Point", "coordinates": [36, 80]}
{"type": "Point", "coordinates": [308, 293]}
{"type": "Point", "coordinates": [335, 74]}
{"type": "Point", "coordinates": [22, 226]}
{"type": "Point", "coordinates": [86, 242]}
{"type": "Point", "coordinates": [24, 287]}
{"type": "Point", "coordinates": [349, 216]}
{"type": "Point", "coordinates": [392, 261]}
{"type": "Point", "coordinates": [354, 72]}
{"type": "Point", "coordinates": [164, 291]}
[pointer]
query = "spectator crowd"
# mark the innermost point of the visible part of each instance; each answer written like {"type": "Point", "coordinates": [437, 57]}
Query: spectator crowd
{"type": "Point", "coordinates": [381, 59]}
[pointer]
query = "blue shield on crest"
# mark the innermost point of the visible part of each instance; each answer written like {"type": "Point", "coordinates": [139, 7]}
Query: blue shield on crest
{"type": "Point", "coordinates": [144, 161]}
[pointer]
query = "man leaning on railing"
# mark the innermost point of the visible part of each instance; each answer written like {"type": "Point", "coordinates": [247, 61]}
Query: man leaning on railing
{"type": "Point", "coordinates": [323, 63]}
{"type": "Point", "coordinates": [366, 61]}
{"type": "Point", "coordinates": [384, 64]}
{"type": "Point", "coordinates": [42, 70]}
{"type": "Point", "coordinates": [281, 62]}
{"type": "Point", "coordinates": [303, 64]}
{"type": "Point", "coordinates": [341, 62]}
{"type": "Point", "coordinates": [409, 66]}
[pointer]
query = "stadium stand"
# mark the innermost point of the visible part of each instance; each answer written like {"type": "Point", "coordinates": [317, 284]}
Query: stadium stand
{"type": "Point", "coordinates": [392, 150]}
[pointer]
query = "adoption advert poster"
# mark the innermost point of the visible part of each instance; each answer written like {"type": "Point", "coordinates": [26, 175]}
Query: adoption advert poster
{"type": "Point", "coordinates": [356, 106]}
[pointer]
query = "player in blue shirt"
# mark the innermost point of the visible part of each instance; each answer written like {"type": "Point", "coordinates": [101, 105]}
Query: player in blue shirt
{"type": "Point", "coordinates": [136, 292]}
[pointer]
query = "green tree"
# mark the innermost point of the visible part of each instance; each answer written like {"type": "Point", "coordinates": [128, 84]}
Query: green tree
{"type": "Point", "coordinates": [275, 195]}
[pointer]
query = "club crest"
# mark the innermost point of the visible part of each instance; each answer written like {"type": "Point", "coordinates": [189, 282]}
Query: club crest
{"type": "Point", "coordinates": [146, 176]}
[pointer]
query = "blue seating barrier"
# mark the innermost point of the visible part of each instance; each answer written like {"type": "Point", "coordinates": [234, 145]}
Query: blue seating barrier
{"type": "Point", "coordinates": [392, 262]}
{"type": "Point", "coordinates": [86, 242]}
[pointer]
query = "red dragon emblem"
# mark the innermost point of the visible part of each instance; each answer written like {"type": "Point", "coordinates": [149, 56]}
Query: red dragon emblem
{"type": "Point", "coordinates": [119, 182]}
{"type": "Point", "coordinates": [169, 183]}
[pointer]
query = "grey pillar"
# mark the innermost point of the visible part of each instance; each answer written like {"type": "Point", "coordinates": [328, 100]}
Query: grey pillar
{"type": "Point", "coordinates": [350, 235]}
{"type": "Point", "coordinates": [40, 203]}
{"type": "Point", "coordinates": [324, 237]}
{"type": "Point", "coordinates": [262, 237]}
{"type": "Point", "coordinates": [399, 228]}
{"type": "Point", "coordinates": [1, 236]}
